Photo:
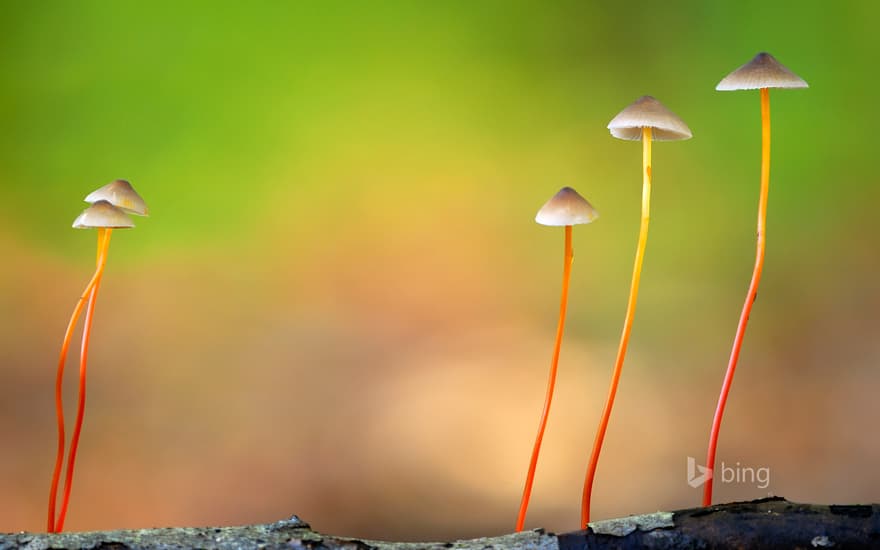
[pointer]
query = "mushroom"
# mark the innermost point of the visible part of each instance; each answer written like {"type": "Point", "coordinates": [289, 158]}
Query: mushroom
{"type": "Point", "coordinates": [121, 194]}
{"type": "Point", "coordinates": [105, 216]}
{"type": "Point", "coordinates": [761, 73]}
{"type": "Point", "coordinates": [646, 119]}
{"type": "Point", "coordinates": [566, 208]}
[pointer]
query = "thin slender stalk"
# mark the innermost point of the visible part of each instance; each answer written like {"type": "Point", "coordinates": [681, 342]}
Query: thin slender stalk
{"type": "Point", "coordinates": [627, 326]}
{"type": "Point", "coordinates": [551, 384]}
{"type": "Point", "coordinates": [59, 387]}
{"type": "Point", "coordinates": [750, 296]}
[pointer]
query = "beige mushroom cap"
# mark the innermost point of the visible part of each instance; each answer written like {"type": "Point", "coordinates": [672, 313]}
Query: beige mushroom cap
{"type": "Point", "coordinates": [647, 112]}
{"type": "Point", "coordinates": [761, 72]}
{"type": "Point", "coordinates": [103, 214]}
{"type": "Point", "coordinates": [120, 193]}
{"type": "Point", "coordinates": [566, 207]}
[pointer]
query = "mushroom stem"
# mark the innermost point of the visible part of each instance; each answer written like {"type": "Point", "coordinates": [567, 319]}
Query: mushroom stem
{"type": "Point", "coordinates": [627, 326]}
{"type": "Point", "coordinates": [551, 383]}
{"type": "Point", "coordinates": [90, 292]}
{"type": "Point", "coordinates": [750, 297]}
{"type": "Point", "coordinates": [103, 247]}
{"type": "Point", "coordinates": [59, 378]}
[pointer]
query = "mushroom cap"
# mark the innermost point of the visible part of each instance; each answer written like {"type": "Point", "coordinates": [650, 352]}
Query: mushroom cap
{"type": "Point", "coordinates": [103, 214]}
{"type": "Point", "coordinates": [761, 72]}
{"type": "Point", "coordinates": [566, 207]}
{"type": "Point", "coordinates": [647, 112]}
{"type": "Point", "coordinates": [120, 193]}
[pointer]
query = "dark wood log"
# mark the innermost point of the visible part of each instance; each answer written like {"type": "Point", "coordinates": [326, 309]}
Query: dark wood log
{"type": "Point", "coordinates": [766, 523]}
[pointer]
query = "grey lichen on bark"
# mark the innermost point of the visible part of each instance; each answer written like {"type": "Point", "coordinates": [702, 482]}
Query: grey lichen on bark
{"type": "Point", "coordinates": [765, 523]}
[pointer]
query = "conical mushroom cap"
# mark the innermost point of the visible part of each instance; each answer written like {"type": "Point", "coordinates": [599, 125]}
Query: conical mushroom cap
{"type": "Point", "coordinates": [103, 214]}
{"type": "Point", "coordinates": [761, 72]}
{"type": "Point", "coordinates": [120, 193]}
{"type": "Point", "coordinates": [566, 207]}
{"type": "Point", "coordinates": [648, 112]}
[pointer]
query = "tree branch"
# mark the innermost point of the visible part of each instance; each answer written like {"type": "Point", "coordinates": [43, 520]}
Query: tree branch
{"type": "Point", "coordinates": [771, 522]}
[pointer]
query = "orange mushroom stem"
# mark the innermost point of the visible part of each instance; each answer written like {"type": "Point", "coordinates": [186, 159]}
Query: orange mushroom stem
{"type": "Point", "coordinates": [103, 246]}
{"type": "Point", "coordinates": [59, 387]}
{"type": "Point", "coordinates": [647, 120]}
{"type": "Point", "coordinates": [566, 208]}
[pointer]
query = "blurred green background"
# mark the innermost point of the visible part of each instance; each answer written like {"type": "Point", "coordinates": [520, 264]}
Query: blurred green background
{"type": "Point", "coordinates": [341, 307]}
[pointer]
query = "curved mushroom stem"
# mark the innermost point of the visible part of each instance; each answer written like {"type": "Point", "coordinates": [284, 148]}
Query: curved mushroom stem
{"type": "Point", "coordinates": [750, 297]}
{"type": "Point", "coordinates": [551, 383]}
{"type": "Point", "coordinates": [103, 247]}
{"type": "Point", "coordinates": [59, 378]}
{"type": "Point", "coordinates": [90, 291]}
{"type": "Point", "coordinates": [627, 326]}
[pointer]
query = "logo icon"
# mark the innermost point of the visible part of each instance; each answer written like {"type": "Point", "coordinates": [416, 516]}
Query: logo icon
{"type": "Point", "coordinates": [693, 479]}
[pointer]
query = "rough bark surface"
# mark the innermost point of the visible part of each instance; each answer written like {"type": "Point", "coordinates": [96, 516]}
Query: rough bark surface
{"type": "Point", "coordinates": [766, 523]}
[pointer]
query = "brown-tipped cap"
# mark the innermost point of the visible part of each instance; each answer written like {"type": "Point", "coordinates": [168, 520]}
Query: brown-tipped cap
{"type": "Point", "coordinates": [647, 112]}
{"type": "Point", "coordinates": [103, 214]}
{"type": "Point", "coordinates": [761, 72]}
{"type": "Point", "coordinates": [566, 207]}
{"type": "Point", "coordinates": [120, 193]}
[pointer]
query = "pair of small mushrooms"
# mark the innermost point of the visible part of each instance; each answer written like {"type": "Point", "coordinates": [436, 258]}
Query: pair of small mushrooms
{"type": "Point", "coordinates": [109, 207]}
{"type": "Point", "coordinates": [649, 120]}
{"type": "Point", "coordinates": [646, 119]}
{"type": "Point", "coordinates": [108, 210]}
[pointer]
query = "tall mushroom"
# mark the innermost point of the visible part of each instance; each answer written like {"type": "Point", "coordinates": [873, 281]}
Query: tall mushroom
{"type": "Point", "coordinates": [646, 119]}
{"type": "Point", "coordinates": [566, 208]}
{"type": "Point", "coordinates": [105, 216]}
{"type": "Point", "coordinates": [761, 73]}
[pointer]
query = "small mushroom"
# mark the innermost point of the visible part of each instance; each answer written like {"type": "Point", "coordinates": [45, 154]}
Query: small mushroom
{"type": "Point", "coordinates": [646, 119]}
{"type": "Point", "coordinates": [566, 208]}
{"type": "Point", "coordinates": [646, 114]}
{"type": "Point", "coordinates": [761, 73]}
{"type": "Point", "coordinates": [105, 216]}
{"type": "Point", "coordinates": [121, 194]}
